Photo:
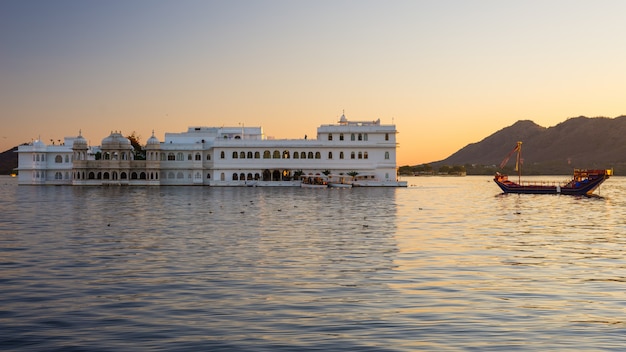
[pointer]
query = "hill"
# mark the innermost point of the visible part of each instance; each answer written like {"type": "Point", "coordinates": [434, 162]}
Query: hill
{"type": "Point", "coordinates": [8, 161]}
{"type": "Point", "coordinates": [579, 142]}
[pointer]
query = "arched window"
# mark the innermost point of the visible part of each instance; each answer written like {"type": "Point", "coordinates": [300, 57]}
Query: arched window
{"type": "Point", "coordinates": [189, 157]}
{"type": "Point", "coordinates": [208, 176]}
{"type": "Point", "coordinates": [249, 155]}
{"type": "Point", "coordinates": [257, 155]}
{"type": "Point", "coordinates": [198, 157]}
{"type": "Point", "coordinates": [222, 155]}
{"type": "Point", "coordinates": [266, 154]}
{"type": "Point", "coordinates": [58, 159]}
{"type": "Point", "coordinates": [58, 175]}
{"type": "Point", "coordinates": [242, 176]}
{"type": "Point", "coordinates": [285, 154]}
{"type": "Point", "coordinates": [171, 156]}
{"type": "Point", "coordinates": [123, 175]}
{"type": "Point", "coordinates": [249, 176]}
{"type": "Point", "coordinates": [180, 157]}
{"type": "Point", "coordinates": [386, 155]}
{"type": "Point", "coordinates": [92, 175]}
{"type": "Point", "coordinates": [222, 176]}
{"type": "Point", "coordinates": [302, 155]}
{"type": "Point", "coordinates": [340, 155]}
{"type": "Point", "coordinates": [235, 155]}
{"type": "Point", "coordinates": [296, 155]}
{"type": "Point", "coordinates": [360, 155]}
{"type": "Point", "coordinates": [365, 155]}
{"type": "Point", "coordinates": [310, 155]}
{"type": "Point", "coordinates": [133, 175]}
{"type": "Point", "coordinates": [352, 137]}
{"type": "Point", "coordinates": [330, 136]}
{"type": "Point", "coordinates": [105, 176]}
{"type": "Point", "coordinates": [163, 156]}
{"type": "Point", "coordinates": [276, 154]}
{"type": "Point", "coordinates": [330, 155]}
{"type": "Point", "coordinates": [171, 175]}
{"type": "Point", "coordinates": [180, 175]}
{"type": "Point", "coordinates": [242, 155]}
{"type": "Point", "coordinates": [341, 136]}
{"type": "Point", "coordinates": [208, 157]}
{"type": "Point", "coordinates": [142, 176]}
{"type": "Point", "coordinates": [360, 137]}
{"type": "Point", "coordinates": [235, 177]}
{"type": "Point", "coordinates": [352, 155]}
{"type": "Point", "coordinates": [318, 155]}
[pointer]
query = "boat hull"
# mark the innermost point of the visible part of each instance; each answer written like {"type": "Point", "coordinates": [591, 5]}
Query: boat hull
{"type": "Point", "coordinates": [575, 187]}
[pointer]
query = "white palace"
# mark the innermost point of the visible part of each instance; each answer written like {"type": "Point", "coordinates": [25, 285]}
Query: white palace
{"type": "Point", "coordinates": [217, 156]}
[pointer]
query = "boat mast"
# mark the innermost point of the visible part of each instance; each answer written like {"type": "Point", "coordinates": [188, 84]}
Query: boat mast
{"type": "Point", "coordinates": [518, 164]}
{"type": "Point", "coordinates": [518, 160]}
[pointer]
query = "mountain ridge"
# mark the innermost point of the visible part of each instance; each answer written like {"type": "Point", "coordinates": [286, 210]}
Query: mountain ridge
{"type": "Point", "coordinates": [578, 142]}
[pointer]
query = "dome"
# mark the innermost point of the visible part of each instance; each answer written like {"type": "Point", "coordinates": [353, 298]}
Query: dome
{"type": "Point", "coordinates": [153, 140]}
{"type": "Point", "coordinates": [79, 142]}
{"type": "Point", "coordinates": [116, 141]}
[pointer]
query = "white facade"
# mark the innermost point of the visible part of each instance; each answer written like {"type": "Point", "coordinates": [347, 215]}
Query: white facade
{"type": "Point", "coordinates": [226, 156]}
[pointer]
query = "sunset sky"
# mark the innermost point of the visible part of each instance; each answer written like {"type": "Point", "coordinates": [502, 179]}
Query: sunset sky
{"type": "Point", "coordinates": [447, 73]}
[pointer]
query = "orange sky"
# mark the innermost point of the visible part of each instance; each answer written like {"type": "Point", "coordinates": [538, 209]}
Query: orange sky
{"type": "Point", "coordinates": [447, 73]}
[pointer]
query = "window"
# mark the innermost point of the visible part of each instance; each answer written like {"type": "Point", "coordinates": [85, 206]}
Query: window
{"type": "Point", "coordinates": [386, 136]}
{"type": "Point", "coordinates": [285, 154]}
{"type": "Point", "coordinates": [222, 155]}
{"type": "Point", "coordinates": [340, 155]}
{"type": "Point", "coordinates": [67, 158]}
{"type": "Point", "coordinates": [386, 155]}
{"type": "Point", "coordinates": [180, 175]}
{"type": "Point", "coordinates": [276, 154]}
{"type": "Point", "coordinates": [235, 155]}
{"type": "Point", "coordinates": [302, 155]}
{"type": "Point", "coordinates": [341, 136]}
{"type": "Point", "coordinates": [365, 137]}
{"type": "Point", "coordinates": [235, 177]}
{"type": "Point", "coordinates": [352, 155]}
{"type": "Point", "coordinates": [365, 155]}
{"type": "Point", "coordinates": [208, 157]}
{"type": "Point", "coordinates": [249, 155]}
{"type": "Point", "coordinates": [360, 137]}
{"type": "Point", "coordinates": [330, 137]}
{"type": "Point", "coordinates": [257, 155]}
{"type": "Point", "coordinates": [171, 156]}
{"type": "Point", "coordinates": [330, 155]}
{"type": "Point", "coordinates": [360, 155]}
{"type": "Point", "coordinates": [318, 155]}
{"type": "Point", "coordinates": [189, 157]}
{"type": "Point", "coordinates": [310, 155]}
{"type": "Point", "coordinates": [58, 175]}
{"type": "Point", "coordinates": [180, 157]}
{"type": "Point", "coordinates": [242, 155]}
{"type": "Point", "coordinates": [198, 157]}
{"type": "Point", "coordinates": [296, 155]}
{"type": "Point", "coordinates": [58, 159]}
{"type": "Point", "coordinates": [266, 154]}
{"type": "Point", "coordinates": [352, 137]}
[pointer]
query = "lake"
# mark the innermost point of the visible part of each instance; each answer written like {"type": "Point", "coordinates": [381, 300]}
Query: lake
{"type": "Point", "coordinates": [447, 264]}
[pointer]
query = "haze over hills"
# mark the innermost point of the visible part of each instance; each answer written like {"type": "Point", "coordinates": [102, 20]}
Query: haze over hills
{"type": "Point", "coordinates": [578, 142]}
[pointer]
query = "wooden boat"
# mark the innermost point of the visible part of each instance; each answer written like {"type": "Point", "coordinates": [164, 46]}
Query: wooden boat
{"type": "Point", "coordinates": [584, 182]}
{"type": "Point", "coordinates": [314, 181]}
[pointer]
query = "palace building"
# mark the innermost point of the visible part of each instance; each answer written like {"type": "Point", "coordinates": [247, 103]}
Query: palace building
{"type": "Point", "coordinates": [217, 156]}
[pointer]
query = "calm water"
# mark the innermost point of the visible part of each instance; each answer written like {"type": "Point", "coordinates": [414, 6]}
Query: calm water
{"type": "Point", "coordinates": [445, 264]}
